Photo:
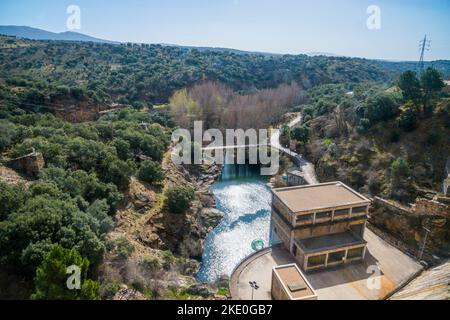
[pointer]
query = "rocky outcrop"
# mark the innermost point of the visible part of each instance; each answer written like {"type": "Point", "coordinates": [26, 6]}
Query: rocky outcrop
{"type": "Point", "coordinates": [30, 165]}
{"type": "Point", "coordinates": [408, 223]}
{"type": "Point", "coordinates": [10, 176]}
{"type": "Point", "coordinates": [200, 289]}
{"type": "Point", "coordinates": [77, 110]}
{"type": "Point", "coordinates": [126, 293]}
{"type": "Point", "coordinates": [141, 198]}
{"type": "Point", "coordinates": [433, 284]}
{"type": "Point", "coordinates": [184, 234]}
{"type": "Point", "coordinates": [210, 218]}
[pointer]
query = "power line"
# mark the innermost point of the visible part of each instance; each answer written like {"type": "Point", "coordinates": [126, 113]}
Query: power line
{"type": "Point", "coordinates": [424, 45]}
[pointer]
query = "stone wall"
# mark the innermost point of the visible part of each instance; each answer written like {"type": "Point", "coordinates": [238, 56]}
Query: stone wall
{"type": "Point", "coordinates": [408, 223]}
{"type": "Point", "coordinates": [29, 165]}
{"type": "Point", "coordinates": [425, 207]}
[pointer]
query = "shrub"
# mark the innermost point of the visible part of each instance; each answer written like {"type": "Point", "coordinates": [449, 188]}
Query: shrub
{"type": "Point", "coordinates": [300, 134]}
{"type": "Point", "coordinates": [107, 291]}
{"type": "Point", "coordinates": [408, 120]}
{"type": "Point", "coordinates": [8, 133]}
{"type": "Point", "coordinates": [307, 119]}
{"type": "Point", "coordinates": [43, 220]}
{"type": "Point", "coordinates": [434, 136]}
{"type": "Point", "coordinates": [151, 264]}
{"type": "Point", "coordinates": [410, 86]}
{"type": "Point", "coordinates": [382, 107]}
{"type": "Point", "coordinates": [400, 168]}
{"type": "Point", "coordinates": [178, 198]}
{"type": "Point", "coordinates": [363, 126]}
{"type": "Point", "coordinates": [11, 198]}
{"type": "Point", "coordinates": [51, 277]}
{"type": "Point", "coordinates": [151, 172]}
{"type": "Point", "coordinates": [123, 149]}
{"type": "Point", "coordinates": [119, 172]}
{"type": "Point", "coordinates": [124, 248]}
{"type": "Point", "coordinates": [169, 259]}
{"type": "Point", "coordinates": [394, 137]}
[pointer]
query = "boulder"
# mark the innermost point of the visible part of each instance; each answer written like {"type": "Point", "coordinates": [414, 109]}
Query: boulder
{"type": "Point", "coordinates": [201, 290]}
{"type": "Point", "coordinates": [223, 282]}
{"type": "Point", "coordinates": [210, 218]}
{"type": "Point", "coordinates": [29, 165]}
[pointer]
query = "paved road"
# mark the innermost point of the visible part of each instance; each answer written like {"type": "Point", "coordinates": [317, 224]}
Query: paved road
{"type": "Point", "coordinates": [300, 161]}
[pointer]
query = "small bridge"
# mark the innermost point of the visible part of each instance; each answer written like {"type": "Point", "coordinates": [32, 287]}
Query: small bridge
{"type": "Point", "coordinates": [232, 147]}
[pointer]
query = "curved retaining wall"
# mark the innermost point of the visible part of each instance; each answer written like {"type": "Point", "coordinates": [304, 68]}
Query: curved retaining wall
{"type": "Point", "coordinates": [234, 279]}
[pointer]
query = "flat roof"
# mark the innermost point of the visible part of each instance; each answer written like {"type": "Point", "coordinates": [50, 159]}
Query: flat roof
{"type": "Point", "coordinates": [330, 242]}
{"type": "Point", "coordinates": [291, 276]}
{"type": "Point", "coordinates": [319, 196]}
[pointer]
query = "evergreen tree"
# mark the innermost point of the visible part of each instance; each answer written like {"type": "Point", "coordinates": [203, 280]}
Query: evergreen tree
{"type": "Point", "coordinates": [53, 277]}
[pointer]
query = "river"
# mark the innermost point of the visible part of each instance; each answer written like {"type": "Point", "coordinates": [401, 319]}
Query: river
{"type": "Point", "coordinates": [244, 198]}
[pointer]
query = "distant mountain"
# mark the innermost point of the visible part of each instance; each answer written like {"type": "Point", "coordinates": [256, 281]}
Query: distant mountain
{"type": "Point", "coordinates": [39, 34]}
{"type": "Point", "coordinates": [325, 54]}
{"type": "Point", "coordinates": [218, 49]}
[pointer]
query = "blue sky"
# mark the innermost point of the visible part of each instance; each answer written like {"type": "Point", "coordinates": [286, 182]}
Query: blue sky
{"type": "Point", "coordinates": [280, 26]}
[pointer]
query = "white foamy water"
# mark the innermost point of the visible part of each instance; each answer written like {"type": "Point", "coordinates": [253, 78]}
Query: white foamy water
{"type": "Point", "coordinates": [246, 204]}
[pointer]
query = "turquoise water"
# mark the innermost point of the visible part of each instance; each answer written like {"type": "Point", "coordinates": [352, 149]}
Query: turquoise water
{"type": "Point", "coordinates": [242, 195]}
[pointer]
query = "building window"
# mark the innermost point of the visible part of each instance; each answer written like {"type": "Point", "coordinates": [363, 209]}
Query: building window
{"type": "Point", "coordinates": [324, 215]}
{"type": "Point", "coordinates": [305, 218]}
{"type": "Point", "coordinates": [343, 212]}
{"type": "Point", "coordinates": [355, 253]}
{"type": "Point", "coordinates": [336, 257]}
{"type": "Point", "coordinates": [294, 250]}
{"type": "Point", "coordinates": [317, 261]}
{"type": "Point", "coordinates": [359, 210]}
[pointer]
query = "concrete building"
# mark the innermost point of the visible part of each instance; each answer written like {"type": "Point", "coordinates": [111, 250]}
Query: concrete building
{"type": "Point", "coordinates": [289, 283]}
{"type": "Point", "coordinates": [321, 225]}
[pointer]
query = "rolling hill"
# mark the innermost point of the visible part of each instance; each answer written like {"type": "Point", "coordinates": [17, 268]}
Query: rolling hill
{"type": "Point", "coordinates": [39, 34]}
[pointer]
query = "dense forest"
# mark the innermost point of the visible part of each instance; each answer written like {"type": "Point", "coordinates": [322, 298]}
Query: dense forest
{"type": "Point", "coordinates": [44, 72]}
{"type": "Point", "coordinates": [356, 112]}
{"type": "Point", "coordinates": [389, 141]}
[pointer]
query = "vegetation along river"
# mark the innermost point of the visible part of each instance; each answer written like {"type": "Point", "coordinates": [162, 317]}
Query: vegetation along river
{"type": "Point", "coordinates": [244, 198]}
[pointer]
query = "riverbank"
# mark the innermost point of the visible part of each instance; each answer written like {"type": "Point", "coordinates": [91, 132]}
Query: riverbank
{"type": "Point", "coordinates": [244, 198]}
{"type": "Point", "coordinates": [157, 250]}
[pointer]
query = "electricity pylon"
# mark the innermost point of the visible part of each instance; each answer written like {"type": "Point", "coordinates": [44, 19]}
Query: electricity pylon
{"type": "Point", "coordinates": [424, 45]}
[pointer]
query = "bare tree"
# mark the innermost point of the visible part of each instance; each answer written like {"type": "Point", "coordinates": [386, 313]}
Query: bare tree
{"type": "Point", "coordinates": [219, 107]}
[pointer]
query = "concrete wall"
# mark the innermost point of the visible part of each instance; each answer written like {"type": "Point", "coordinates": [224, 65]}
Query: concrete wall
{"type": "Point", "coordinates": [328, 263]}
{"type": "Point", "coordinates": [321, 230]}
{"type": "Point", "coordinates": [281, 208]}
{"type": "Point", "coordinates": [295, 180]}
{"type": "Point", "coordinates": [278, 292]}
{"type": "Point", "coordinates": [282, 230]}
